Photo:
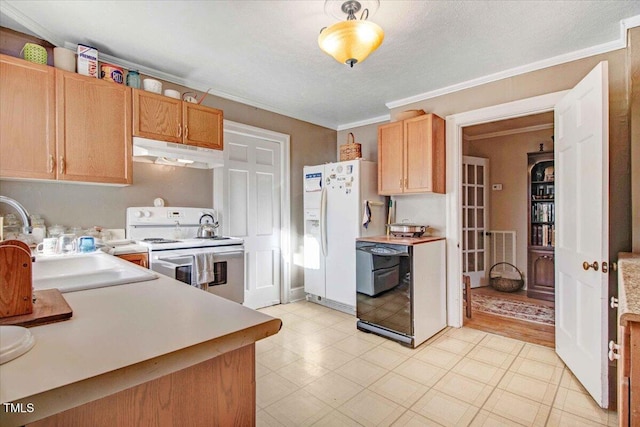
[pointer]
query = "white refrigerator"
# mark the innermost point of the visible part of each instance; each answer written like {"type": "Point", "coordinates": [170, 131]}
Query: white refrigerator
{"type": "Point", "coordinates": [339, 199]}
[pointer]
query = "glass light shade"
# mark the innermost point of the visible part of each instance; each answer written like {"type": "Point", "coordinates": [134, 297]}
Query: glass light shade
{"type": "Point", "coordinates": [352, 41]}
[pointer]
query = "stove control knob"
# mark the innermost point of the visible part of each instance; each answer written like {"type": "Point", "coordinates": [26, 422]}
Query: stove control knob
{"type": "Point", "coordinates": [146, 214]}
{"type": "Point", "coordinates": [137, 214]}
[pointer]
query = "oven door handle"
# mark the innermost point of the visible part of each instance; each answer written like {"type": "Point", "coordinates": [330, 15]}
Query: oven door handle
{"type": "Point", "coordinates": [234, 254]}
{"type": "Point", "coordinates": [167, 262]}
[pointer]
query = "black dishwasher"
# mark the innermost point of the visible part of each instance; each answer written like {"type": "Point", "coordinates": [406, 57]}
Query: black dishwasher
{"type": "Point", "coordinates": [383, 285]}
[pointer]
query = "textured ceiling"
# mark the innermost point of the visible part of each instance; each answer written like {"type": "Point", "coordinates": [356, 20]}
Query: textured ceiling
{"type": "Point", "coordinates": [265, 53]}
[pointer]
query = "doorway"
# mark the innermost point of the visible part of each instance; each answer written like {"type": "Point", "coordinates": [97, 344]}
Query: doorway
{"type": "Point", "coordinates": [496, 225]}
{"type": "Point", "coordinates": [252, 193]}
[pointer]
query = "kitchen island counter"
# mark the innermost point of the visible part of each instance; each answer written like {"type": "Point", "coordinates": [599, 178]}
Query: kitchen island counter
{"type": "Point", "coordinates": [121, 338]}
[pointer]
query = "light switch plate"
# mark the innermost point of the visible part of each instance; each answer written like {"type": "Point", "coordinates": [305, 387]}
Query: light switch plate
{"type": "Point", "coordinates": [496, 187]}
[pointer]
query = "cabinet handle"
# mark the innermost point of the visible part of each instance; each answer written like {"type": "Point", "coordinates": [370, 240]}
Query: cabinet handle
{"type": "Point", "coordinates": [51, 164]}
{"type": "Point", "coordinates": [587, 266]}
{"type": "Point", "coordinates": [186, 132]}
{"type": "Point", "coordinates": [61, 165]}
{"type": "Point", "coordinates": [605, 267]}
{"type": "Point", "coordinates": [400, 182]}
{"type": "Point", "coordinates": [179, 130]}
{"type": "Point", "coordinates": [406, 183]}
{"type": "Point", "coordinates": [614, 302]}
{"type": "Point", "coordinates": [613, 351]}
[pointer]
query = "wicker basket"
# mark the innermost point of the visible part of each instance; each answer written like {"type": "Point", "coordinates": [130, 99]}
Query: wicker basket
{"type": "Point", "coordinates": [504, 284]}
{"type": "Point", "coordinates": [351, 150]}
{"type": "Point", "coordinates": [34, 53]}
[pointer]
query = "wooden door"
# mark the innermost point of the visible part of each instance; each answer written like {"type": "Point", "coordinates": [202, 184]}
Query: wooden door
{"type": "Point", "coordinates": [202, 126]}
{"type": "Point", "coordinates": [157, 117]}
{"type": "Point", "coordinates": [582, 227]}
{"type": "Point", "coordinates": [475, 218]}
{"type": "Point", "coordinates": [390, 159]}
{"type": "Point", "coordinates": [93, 119]}
{"type": "Point", "coordinates": [27, 119]}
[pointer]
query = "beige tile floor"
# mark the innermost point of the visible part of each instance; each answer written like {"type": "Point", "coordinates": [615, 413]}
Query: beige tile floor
{"type": "Point", "coordinates": [320, 370]}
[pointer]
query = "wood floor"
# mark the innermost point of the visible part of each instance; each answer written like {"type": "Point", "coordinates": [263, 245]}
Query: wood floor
{"type": "Point", "coordinates": [513, 328]}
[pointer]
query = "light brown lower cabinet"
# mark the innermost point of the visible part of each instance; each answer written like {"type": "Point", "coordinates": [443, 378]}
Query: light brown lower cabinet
{"type": "Point", "coordinates": [140, 259]}
{"type": "Point", "coordinates": [217, 392]}
{"type": "Point", "coordinates": [629, 374]}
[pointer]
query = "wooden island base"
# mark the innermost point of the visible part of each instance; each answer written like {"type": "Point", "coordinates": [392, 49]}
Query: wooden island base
{"type": "Point", "coordinates": [217, 392]}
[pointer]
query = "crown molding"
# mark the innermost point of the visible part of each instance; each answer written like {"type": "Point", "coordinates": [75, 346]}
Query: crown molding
{"type": "Point", "coordinates": [55, 40]}
{"type": "Point", "coordinates": [619, 43]}
{"type": "Point", "coordinates": [366, 122]}
{"type": "Point", "coordinates": [507, 132]}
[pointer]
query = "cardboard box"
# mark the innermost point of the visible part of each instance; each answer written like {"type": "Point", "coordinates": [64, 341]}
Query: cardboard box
{"type": "Point", "coordinates": [88, 61]}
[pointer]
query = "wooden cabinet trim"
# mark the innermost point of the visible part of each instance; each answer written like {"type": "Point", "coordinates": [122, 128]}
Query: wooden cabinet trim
{"type": "Point", "coordinates": [204, 129]}
{"type": "Point", "coordinates": [423, 157]}
{"type": "Point", "coordinates": [218, 392]}
{"type": "Point", "coordinates": [100, 154]}
{"type": "Point", "coordinates": [141, 259]}
{"type": "Point", "coordinates": [157, 117]}
{"type": "Point", "coordinates": [27, 120]}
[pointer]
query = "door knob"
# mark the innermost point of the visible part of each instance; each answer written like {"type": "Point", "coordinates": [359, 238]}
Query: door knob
{"type": "Point", "coordinates": [614, 302]}
{"type": "Point", "coordinates": [587, 266]}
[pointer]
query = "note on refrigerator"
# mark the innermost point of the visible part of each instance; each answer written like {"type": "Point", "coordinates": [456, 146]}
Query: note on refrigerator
{"type": "Point", "coordinates": [313, 182]}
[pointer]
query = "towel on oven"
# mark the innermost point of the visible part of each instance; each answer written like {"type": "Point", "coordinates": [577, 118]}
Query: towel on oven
{"type": "Point", "coordinates": [204, 268]}
{"type": "Point", "coordinates": [366, 217]}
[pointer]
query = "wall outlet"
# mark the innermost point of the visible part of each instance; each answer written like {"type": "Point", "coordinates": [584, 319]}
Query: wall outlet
{"type": "Point", "coordinates": [496, 187]}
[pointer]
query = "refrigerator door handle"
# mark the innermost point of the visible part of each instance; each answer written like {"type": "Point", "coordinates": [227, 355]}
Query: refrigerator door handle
{"type": "Point", "coordinates": [323, 221]}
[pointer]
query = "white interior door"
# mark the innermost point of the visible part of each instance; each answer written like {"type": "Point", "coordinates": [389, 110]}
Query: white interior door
{"type": "Point", "coordinates": [252, 211]}
{"type": "Point", "coordinates": [475, 215]}
{"type": "Point", "coordinates": [582, 201]}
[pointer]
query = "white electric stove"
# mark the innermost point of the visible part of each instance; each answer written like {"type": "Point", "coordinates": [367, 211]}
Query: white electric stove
{"type": "Point", "coordinates": [215, 264]}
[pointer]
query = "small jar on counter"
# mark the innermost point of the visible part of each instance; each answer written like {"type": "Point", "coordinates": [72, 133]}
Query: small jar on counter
{"type": "Point", "coordinates": [56, 230]}
{"type": "Point", "coordinates": [38, 229]}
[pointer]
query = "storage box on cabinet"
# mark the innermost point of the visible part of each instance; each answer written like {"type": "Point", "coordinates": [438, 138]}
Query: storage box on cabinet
{"type": "Point", "coordinates": [167, 119]}
{"type": "Point", "coordinates": [411, 156]}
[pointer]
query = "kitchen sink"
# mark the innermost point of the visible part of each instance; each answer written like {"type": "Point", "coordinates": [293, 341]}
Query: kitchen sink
{"type": "Point", "coordinates": [78, 272]}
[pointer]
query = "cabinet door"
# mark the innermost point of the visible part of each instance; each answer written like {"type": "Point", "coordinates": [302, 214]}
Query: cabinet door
{"type": "Point", "coordinates": [27, 119]}
{"type": "Point", "coordinates": [390, 159]}
{"type": "Point", "coordinates": [139, 259]}
{"type": "Point", "coordinates": [424, 152]}
{"type": "Point", "coordinates": [157, 117]}
{"type": "Point", "coordinates": [93, 129]}
{"type": "Point", "coordinates": [418, 156]}
{"type": "Point", "coordinates": [202, 126]}
{"type": "Point", "coordinates": [541, 271]}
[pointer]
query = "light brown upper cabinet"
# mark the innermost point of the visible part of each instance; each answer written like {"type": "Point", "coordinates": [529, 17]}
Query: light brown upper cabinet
{"type": "Point", "coordinates": [411, 156]}
{"type": "Point", "coordinates": [27, 119]}
{"type": "Point", "coordinates": [93, 127]}
{"type": "Point", "coordinates": [60, 125]}
{"type": "Point", "coordinates": [167, 119]}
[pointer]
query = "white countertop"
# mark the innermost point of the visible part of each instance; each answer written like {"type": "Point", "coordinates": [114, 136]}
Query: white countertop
{"type": "Point", "coordinates": [122, 336]}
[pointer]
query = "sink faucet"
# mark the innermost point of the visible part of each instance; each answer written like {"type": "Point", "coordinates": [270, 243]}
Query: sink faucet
{"type": "Point", "coordinates": [21, 211]}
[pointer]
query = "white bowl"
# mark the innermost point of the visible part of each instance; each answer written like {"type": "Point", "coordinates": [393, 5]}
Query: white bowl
{"type": "Point", "coordinates": [151, 85]}
{"type": "Point", "coordinates": [172, 93]}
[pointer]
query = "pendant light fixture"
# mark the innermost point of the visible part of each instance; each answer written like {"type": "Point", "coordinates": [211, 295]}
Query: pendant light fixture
{"type": "Point", "coordinates": [351, 41]}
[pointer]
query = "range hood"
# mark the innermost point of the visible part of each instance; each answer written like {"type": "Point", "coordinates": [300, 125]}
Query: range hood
{"type": "Point", "coordinates": [167, 153]}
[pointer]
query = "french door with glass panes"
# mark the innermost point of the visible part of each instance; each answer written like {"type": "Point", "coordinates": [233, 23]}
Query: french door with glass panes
{"type": "Point", "coordinates": [475, 211]}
